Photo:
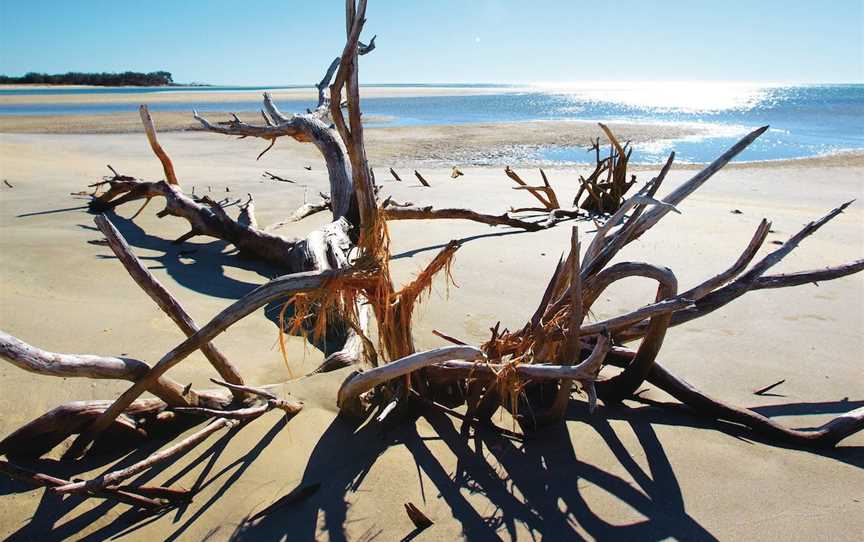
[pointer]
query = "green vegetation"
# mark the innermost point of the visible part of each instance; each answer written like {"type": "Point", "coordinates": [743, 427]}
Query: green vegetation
{"type": "Point", "coordinates": [152, 79]}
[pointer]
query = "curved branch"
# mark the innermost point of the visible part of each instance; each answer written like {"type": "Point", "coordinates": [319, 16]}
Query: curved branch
{"type": "Point", "coordinates": [625, 383]}
{"type": "Point", "coordinates": [825, 436]}
{"type": "Point", "coordinates": [700, 291]}
{"type": "Point", "coordinates": [278, 288]}
{"type": "Point", "coordinates": [748, 281]}
{"type": "Point", "coordinates": [36, 360]}
{"type": "Point", "coordinates": [306, 129]}
{"type": "Point", "coordinates": [358, 383]}
{"type": "Point", "coordinates": [150, 130]}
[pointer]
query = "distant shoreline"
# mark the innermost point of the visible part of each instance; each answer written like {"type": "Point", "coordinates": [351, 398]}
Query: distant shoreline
{"type": "Point", "coordinates": [487, 125]}
{"type": "Point", "coordinates": [480, 144]}
{"type": "Point", "coordinates": [38, 86]}
{"type": "Point", "coordinates": [213, 94]}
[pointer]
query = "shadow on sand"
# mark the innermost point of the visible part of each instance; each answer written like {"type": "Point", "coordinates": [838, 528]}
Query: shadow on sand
{"type": "Point", "coordinates": [542, 492]}
{"type": "Point", "coordinates": [535, 483]}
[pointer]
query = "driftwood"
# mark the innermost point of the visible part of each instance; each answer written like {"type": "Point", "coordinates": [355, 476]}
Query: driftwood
{"type": "Point", "coordinates": [309, 209]}
{"type": "Point", "coordinates": [420, 178]}
{"type": "Point", "coordinates": [115, 477]}
{"type": "Point", "coordinates": [36, 360]}
{"type": "Point", "coordinates": [163, 298]}
{"type": "Point", "coordinates": [339, 275]}
{"type": "Point", "coordinates": [125, 495]}
{"type": "Point", "coordinates": [604, 189]}
{"type": "Point", "coordinates": [150, 130]}
{"type": "Point", "coordinates": [427, 213]}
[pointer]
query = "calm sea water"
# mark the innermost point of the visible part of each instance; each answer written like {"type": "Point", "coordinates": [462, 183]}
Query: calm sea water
{"type": "Point", "coordinates": [806, 120]}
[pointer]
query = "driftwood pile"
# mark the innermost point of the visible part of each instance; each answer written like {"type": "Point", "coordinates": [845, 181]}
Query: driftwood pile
{"type": "Point", "coordinates": [603, 192]}
{"type": "Point", "coordinates": [339, 276]}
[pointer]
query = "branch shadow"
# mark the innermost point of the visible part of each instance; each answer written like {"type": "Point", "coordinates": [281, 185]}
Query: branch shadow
{"type": "Point", "coordinates": [536, 486]}
{"type": "Point", "coordinates": [521, 478]}
{"type": "Point", "coordinates": [47, 521]}
{"type": "Point", "coordinates": [52, 211]}
{"type": "Point", "coordinates": [199, 266]}
{"type": "Point", "coordinates": [202, 267]}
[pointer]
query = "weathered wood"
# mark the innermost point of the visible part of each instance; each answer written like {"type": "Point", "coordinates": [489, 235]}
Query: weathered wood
{"type": "Point", "coordinates": [205, 219]}
{"type": "Point", "coordinates": [703, 289]}
{"type": "Point", "coordinates": [429, 213]}
{"type": "Point", "coordinates": [150, 130]}
{"type": "Point", "coordinates": [273, 177]}
{"type": "Point", "coordinates": [288, 406]}
{"type": "Point", "coordinates": [309, 209]}
{"type": "Point", "coordinates": [720, 297]}
{"type": "Point", "coordinates": [537, 371]}
{"type": "Point", "coordinates": [303, 128]}
{"type": "Point", "coordinates": [277, 288]}
{"type": "Point", "coordinates": [358, 383]}
{"type": "Point", "coordinates": [678, 195]}
{"type": "Point", "coordinates": [163, 298]}
{"type": "Point", "coordinates": [241, 414]}
{"type": "Point", "coordinates": [115, 477]}
{"type": "Point", "coordinates": [825, 436]}
{"type": "Point", "coordinates": [346, 78]}
{"type": "Point", "coordinates": [418, 518]}
{"type": "Point", "coordinates": [420, 178]}
{"type": "Point", "coordinates": [50, 429]}
{"type": "Point", "coordinates": [45, 480]}
{"type": "Point", "coordinates": [537, 192]}
{"type": "Point", "coordinates": [573, 349]}
{"type": "Point", "coordinates": [36, 360]}
{"type": "Point", "coordinates": [808, 277]}
{"type": "Point", "coordinates": [247, 214]}
{"type": "Point", "coordinates": [628, 381]}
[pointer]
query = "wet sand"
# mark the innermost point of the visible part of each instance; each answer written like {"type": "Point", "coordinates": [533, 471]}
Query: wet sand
{"type": "Point", "coordinates": [206, 96]}
{"type": "Point", "coordinates": [629, 472]}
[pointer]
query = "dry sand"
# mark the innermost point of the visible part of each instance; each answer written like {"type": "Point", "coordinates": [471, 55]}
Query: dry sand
{"type": "Point", "coordinates": [629, 473]}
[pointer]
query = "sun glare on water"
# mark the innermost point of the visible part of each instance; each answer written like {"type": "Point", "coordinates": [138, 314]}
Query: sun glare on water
{"type": "Point", "coordinates": [682, 96]}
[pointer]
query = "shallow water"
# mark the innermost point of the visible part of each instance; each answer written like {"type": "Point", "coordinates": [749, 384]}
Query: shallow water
{"type": "Point", "coordinates": [806, 120]}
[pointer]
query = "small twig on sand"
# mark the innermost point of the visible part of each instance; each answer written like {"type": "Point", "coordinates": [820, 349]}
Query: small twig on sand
{"type": "Point", "coordinates": [418, 518]}
{"type": "Point", "coordinates": [420, 178]}
{"type": "Point", "coordinates": [273, 177]}
{"type": "Point", "coordinates": [768, 388]}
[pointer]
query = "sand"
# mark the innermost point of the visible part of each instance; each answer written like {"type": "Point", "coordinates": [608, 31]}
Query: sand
{"type": "Point", "coordinates": [630, 473]}
{"type": "Point", "coordinates": [205, 96]}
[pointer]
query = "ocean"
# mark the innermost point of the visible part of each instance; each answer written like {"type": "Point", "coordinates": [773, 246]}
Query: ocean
{"type": "Point", "coordinates": [805, 120]}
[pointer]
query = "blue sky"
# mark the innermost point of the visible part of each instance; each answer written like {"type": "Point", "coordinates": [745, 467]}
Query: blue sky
{"type": "Point", "coordinates": [272, 42]}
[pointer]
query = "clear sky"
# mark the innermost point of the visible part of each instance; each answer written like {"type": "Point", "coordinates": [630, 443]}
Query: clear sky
{"type": "Point", "coordinates": [269, 42]}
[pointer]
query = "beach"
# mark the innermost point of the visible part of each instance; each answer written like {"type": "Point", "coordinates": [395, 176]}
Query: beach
{"type": "Point", "coordinates": [632, 471]}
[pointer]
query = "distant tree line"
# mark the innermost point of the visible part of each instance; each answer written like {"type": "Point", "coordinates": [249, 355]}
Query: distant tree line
{"type": "Point", "coordinates": [152, 79]}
